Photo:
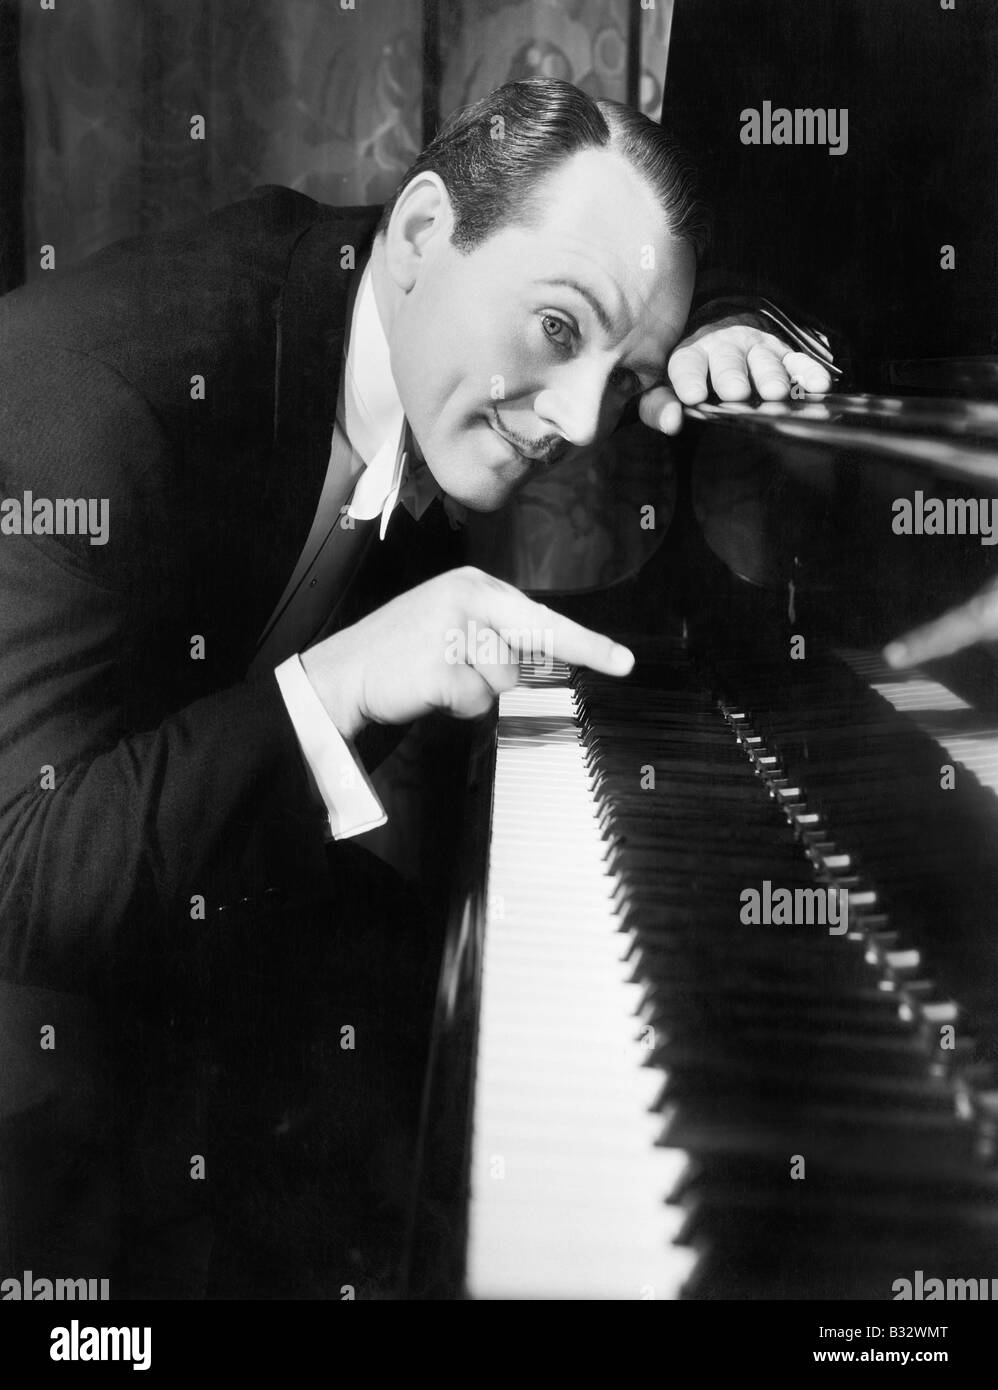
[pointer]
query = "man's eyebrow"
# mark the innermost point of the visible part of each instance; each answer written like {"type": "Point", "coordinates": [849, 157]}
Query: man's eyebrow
{"type": "Point", "coordinates": [602, 317]}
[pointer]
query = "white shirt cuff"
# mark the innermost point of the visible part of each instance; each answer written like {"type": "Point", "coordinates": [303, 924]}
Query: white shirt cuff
{"type": "Point", "coordinates": [343, 784]}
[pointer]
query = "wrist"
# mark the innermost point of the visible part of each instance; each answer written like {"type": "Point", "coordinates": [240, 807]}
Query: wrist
{"type": "Point", "coordinates": [331, 682]}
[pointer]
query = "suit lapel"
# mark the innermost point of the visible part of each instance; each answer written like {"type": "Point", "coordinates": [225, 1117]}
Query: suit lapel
{"type": "Point", "coordinates": [311, 319]}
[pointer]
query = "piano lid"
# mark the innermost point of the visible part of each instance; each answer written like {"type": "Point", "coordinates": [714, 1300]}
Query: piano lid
{"type": "Point", "coordinates": [790, 489]}
{"type": "Point", "coordinates": [952, 438]}
{"type": "Point", "coordinates": [807, 492]}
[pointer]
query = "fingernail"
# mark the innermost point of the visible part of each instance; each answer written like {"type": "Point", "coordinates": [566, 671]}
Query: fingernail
{"type": "Point", "coordinates": [623, 659]}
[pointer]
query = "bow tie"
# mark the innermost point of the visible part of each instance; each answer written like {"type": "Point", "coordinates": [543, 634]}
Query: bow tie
{"type": "Point", "coordinates": [414, 486]}
{"type": "Point", "coordinates": [418, 487]}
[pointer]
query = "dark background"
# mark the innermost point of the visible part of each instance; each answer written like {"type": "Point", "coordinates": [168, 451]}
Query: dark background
{"type": "Point", "coordinates": [854, 237]}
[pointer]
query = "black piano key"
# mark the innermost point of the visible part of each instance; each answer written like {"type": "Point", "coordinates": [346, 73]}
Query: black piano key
{"type": "Point", "coordinates": [773, 1039]}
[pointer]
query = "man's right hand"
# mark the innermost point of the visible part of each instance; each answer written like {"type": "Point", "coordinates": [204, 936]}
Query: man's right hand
{"type": "Point", "coordinates": [453, 644]}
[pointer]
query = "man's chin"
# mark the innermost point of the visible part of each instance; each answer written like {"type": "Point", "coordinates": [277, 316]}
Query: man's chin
{"type": "Point", "coordinates": [485, 507]}
{"type": "Point", "coordinates": [479, 486]}
{"type": "Point", "coordinates": [480, 500]}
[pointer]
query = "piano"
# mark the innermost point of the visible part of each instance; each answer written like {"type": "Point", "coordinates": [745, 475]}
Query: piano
{"type": "Point", "coordinates": [637, 1088]}
{"type": "Point", "coordinates": [636, 1093]}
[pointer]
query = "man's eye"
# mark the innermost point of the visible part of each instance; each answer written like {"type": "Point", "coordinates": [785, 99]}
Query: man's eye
{"type": "Point", "coordinates": [557, 330]}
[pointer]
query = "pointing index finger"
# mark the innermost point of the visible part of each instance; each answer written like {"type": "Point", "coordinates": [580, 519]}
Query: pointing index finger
{"type": "Point", "coordinates": [523, 624]}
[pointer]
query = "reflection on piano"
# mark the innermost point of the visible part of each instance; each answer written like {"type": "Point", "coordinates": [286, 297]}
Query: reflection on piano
{"type": "Point", "coordinates": [955, 438]}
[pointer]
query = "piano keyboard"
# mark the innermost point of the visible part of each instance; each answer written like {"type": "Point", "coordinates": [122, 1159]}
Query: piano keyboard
{"type": "Point", "coordinates": [669, 1103]}
{"type": "Point", "coordinates": [568, 1189]}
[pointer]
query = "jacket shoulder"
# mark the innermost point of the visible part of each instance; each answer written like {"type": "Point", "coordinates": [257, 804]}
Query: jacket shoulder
{"type": "Point", "coordinates": [225, 267]}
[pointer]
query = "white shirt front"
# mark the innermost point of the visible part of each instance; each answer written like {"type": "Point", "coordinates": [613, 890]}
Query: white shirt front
{"type": "Point", "coordinates": [373, 421]}
{"type": "Point", "coordinates": [373, 414]}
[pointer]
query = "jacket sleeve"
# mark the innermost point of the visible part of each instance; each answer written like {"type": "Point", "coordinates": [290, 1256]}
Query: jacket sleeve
{"type": "Point", "coordinates": [123, 802]}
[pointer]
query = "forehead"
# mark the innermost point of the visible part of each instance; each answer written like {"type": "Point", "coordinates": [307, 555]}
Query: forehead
{"type": "Point", "coordinates": [598, 219]}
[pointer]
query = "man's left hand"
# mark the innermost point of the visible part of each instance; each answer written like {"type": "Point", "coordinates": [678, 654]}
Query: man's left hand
{"type": "Point", "coordinates": [733, 359]}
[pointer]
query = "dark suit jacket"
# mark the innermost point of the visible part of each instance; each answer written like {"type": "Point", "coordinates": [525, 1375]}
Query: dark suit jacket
{"type": "Point", "coordinates": [173, 776]}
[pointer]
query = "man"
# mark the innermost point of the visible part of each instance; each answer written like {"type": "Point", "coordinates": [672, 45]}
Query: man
{"type": "Point", "coordinates": [186, 702]}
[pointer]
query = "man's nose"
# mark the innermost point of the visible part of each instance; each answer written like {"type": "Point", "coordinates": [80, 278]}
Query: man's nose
{"type": "Point", "coordinates": [574, 405]}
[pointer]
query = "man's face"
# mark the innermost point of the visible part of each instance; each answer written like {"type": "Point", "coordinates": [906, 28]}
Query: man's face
{"type": "Point", "coordinates": [508, 356]}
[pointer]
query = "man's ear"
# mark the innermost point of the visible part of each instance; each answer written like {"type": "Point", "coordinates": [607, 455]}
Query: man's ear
{"type": "Point", "coordinates": [422, 220]}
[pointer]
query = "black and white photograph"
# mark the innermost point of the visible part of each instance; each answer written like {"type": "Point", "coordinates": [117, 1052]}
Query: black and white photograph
{"type": "Point", "coordinates": [499, 664]}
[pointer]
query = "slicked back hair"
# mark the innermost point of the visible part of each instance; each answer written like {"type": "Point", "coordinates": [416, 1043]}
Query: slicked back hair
{"type": "Point", "coordinates": [492, 155]}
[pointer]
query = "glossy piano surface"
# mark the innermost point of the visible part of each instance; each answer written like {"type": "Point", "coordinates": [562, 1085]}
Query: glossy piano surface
{"type": "Point", "coordinates": [577, 526]}
{"type": "Point", "coordinates": [799, 491]}
{"type": "Point", "coordinates": [952, 437]}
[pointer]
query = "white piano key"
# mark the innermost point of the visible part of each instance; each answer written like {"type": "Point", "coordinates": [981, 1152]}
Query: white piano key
{"type": "Point", "coordinates": [965, 735]}
{"type": "Point", "coordinates": [563, 1092]}
{"type": "Point", "coordinates": [568, 1258]}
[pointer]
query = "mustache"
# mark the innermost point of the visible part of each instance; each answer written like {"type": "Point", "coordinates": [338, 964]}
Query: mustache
{"type": "Point", "coordinates": [547, 450]}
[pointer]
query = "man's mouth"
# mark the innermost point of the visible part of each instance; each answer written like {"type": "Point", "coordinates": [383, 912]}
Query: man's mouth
{"type": "Point", "coordinates": [530, 453]}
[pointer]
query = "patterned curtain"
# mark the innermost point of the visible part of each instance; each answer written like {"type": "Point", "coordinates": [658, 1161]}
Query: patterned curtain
{"type": "Point", "coordinates": [592, 43]}
{"type": "Point", "coordinates": [307, 93]}
{"type": "Point", "coordinates": [11, 151]}
{"type": "Point", "coordinates": [331, 97]}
